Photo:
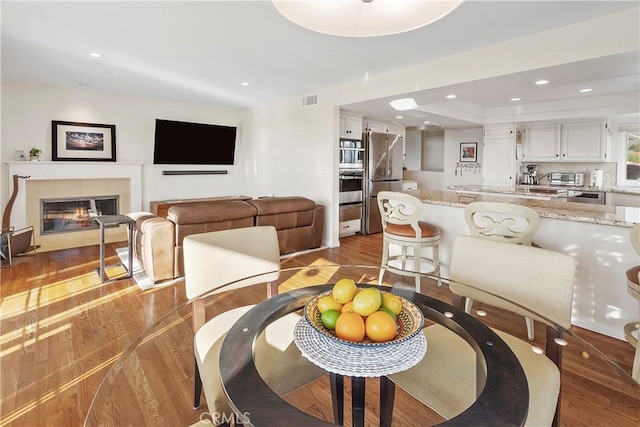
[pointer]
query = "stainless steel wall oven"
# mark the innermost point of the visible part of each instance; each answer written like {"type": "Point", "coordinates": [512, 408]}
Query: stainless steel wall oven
{"type": "Point", "coordinates": [350, 199]}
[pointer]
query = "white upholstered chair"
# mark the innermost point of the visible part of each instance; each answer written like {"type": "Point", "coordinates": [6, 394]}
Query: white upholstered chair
{"type": "Point", "coordinates": [244, 256]}
{"type": "Point", "coordinates": [502, 222]}
{"type": "Point", "coordinates": [445, 379]}
{"type": "Point", "coordinates": [401, 226]}
{"type": "Point", "coordinates": [633, 287]}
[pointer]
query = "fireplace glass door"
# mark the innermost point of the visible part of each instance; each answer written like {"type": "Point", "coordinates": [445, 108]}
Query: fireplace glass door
{"type": "Point", "coordinates": [75, 213]}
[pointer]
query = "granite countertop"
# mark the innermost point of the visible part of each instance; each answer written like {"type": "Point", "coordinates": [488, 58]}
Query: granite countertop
{"type": "Point", "coordinates": [553, 209]}
{"type": "Point", "coordinates": [626, 190]}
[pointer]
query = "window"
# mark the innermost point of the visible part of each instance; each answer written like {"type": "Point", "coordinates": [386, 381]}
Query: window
{"type": "Point", "coordinates": [633, 156]}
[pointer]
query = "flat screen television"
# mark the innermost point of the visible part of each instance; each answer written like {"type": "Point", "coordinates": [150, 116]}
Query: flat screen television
{"type": "Point", "coordinates": [184, 143]}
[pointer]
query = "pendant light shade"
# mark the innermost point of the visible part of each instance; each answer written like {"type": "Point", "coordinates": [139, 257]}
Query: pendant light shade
{"type": "Point", "coordinates": [362, 18]}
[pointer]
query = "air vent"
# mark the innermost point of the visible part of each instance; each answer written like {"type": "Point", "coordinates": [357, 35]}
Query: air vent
{"type": "Point", "coordinates": [309, 100]}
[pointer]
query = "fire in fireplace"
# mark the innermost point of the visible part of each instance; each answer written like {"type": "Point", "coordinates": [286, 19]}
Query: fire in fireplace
{"type": "Point", "coordinates": [75, 213]}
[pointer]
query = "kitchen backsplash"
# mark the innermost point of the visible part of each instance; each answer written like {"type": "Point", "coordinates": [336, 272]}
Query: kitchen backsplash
{"type": "Point", "coordinates": [609, 170]}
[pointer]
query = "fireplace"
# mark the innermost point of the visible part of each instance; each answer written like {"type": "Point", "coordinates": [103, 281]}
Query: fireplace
{"type": "Point", "coordinates": [61, 215]}
{"type": "Point", "coordinates": [65, 180]}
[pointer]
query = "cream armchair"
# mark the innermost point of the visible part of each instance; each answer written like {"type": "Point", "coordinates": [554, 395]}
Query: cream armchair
{"type": "Point", "coordinates": [537, 283]}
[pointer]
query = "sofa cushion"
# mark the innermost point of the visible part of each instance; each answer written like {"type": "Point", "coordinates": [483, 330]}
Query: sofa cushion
{"type": "Point", "coordinates": [284, 212]}
{"type": "Point", "coordinates": [199, 213]}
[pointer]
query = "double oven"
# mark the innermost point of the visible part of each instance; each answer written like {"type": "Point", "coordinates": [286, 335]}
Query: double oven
{"type": "Point", "coordinates": [351, 175]}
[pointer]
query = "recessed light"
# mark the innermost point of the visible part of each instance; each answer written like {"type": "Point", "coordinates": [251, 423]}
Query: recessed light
{"type": "Point", "coordinates": [95, 55]}
{"type": "Point", "coordinates": [585, 90]}
{"type": "Point", "coordinates": [515, 99]}
{"type": "Point", "coordinates": [542, 82]}
{"type": "Point", "coordinates": [403, 104]}
{"type": "Point", "coordinates": [245, 83]}
{"type": "Point", "coordinates": [398, 117]}
{"type": "Point", "coordinates": [451, 96]}
{"type": "Point", "coordinates": [427, 122]}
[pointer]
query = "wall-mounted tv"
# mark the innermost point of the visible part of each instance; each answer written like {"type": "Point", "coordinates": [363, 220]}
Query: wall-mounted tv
{"type": "Point", "coordinates": [184, 143]}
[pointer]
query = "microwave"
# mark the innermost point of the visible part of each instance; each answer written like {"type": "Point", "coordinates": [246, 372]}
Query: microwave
{"type": "Point", "coordinates": [351, 154]}
{"type": "Point", "coordinates": [566, 178]}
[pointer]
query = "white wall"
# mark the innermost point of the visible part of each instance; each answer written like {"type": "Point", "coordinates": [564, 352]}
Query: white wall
{"type": "Point", "coordinates": [452, 140]}
{"type": "Point", "coordinates": [28, 109]}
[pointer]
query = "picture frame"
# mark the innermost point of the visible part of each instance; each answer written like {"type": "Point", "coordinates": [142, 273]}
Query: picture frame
{"type": "Point", "coordinates": [468, 151]}
{"type": "Point", "coordinates": [88, 142]}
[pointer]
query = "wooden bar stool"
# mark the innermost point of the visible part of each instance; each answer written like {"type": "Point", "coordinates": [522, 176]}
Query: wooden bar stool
{"type": "Point", "coordinates": [633, 287]}
{"type": "Point", "coordinates": [401, 225]}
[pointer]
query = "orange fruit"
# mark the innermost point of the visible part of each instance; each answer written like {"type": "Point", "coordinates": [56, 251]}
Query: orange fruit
{"type": "Point", "coordinates": [380, 327]}
{"type": "Point", "coordinates": [347, 307]}
{"type": "Point", "coordinates": [350, 326]}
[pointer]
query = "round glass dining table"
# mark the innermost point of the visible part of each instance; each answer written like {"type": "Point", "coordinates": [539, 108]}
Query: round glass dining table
{"type": "Point", "coordinates": [151, 383]}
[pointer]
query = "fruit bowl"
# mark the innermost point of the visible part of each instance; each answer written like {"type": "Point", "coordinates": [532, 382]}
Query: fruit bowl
{"type": "Point", "coordinates": [410, 321]}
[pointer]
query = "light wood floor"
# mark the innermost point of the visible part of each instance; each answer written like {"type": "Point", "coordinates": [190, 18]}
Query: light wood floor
{"type": "Point", "coordinates": [61, 330]}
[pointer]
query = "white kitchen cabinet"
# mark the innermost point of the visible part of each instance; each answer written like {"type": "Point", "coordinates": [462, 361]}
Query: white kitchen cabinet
{"type": "Point", "coordinates": [541, 143]}
{"type": "Point", "coordinates": [623, 199]}
{"type": "Point", "coordinates": [372, 126]}
{"type": "Point", "coordinates": [584, 142]}
{"type": "Point", "coordinates": [350, 126]}
{"type": "Point", "coordinates": [384, 128]}
{"type": "Point", "coordinates": [498, 155]}
{"type": "Point", "coordinates": [569, 142]}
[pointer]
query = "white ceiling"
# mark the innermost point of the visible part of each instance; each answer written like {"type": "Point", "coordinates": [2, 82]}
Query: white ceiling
{"type": "Point", "coordinates": [202, 51]}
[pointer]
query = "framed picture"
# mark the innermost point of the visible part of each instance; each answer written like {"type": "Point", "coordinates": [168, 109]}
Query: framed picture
{"type": "Point", "coordinates": [83, 142]}
{"type": "Point", "coordinates": [468, 151]}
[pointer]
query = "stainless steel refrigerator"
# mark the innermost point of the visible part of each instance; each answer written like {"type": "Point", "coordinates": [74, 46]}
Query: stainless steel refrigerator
{"type": "Point", "coordinates": [383, 172]}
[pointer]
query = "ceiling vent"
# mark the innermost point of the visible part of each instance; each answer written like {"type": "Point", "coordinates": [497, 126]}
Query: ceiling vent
{"type": "Point", "coordinates": [309, 100]}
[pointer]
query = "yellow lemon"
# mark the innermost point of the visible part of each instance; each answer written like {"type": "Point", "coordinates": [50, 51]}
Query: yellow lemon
{"type": "Point", "coordinates": [328, 303]}
{"type": "Point", "coordinates": [367, 301]}
{"type": "Point", "coordinates": [392, 302]}
{"type": "Point", "coordinates": [344, 290]}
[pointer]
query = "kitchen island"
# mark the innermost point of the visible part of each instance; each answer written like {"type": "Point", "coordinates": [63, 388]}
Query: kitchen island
{"type": "Point", "coordinates": [598, 236]}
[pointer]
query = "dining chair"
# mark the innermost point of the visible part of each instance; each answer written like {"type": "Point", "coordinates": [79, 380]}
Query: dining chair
{"type": "Point", "coordinates": [632, 329]}
{"type": "Point", "coordinates": [401, 226]}
{"type": "Point", "coordinates": [516, 278]}
{"type": "Point", "coordinates": [502, 222]}
{"type": "Point", "coordinates": [231, 260]}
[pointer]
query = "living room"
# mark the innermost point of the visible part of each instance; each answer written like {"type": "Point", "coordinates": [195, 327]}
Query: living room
{"type": "Point", "coordinates": [282, 148]}
{"type": "Point", "coordinates": [65, 328]}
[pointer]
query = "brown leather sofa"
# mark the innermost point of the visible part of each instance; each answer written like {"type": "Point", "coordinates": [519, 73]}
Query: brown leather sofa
{"type": "Point", "coordinates": [158, 241]}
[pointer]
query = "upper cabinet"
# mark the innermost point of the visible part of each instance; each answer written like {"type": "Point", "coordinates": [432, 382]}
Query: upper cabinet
{"type": "Point", "coordinates": [498, 160]}
{"type": "Point", "coordinates": [350, 126]}
{"type": "Point", "coordinates": [584, 142]}
{"type": "Point", "coordinates": [372, 126]}
{"type": "Point", "coordinates": [578, 142]}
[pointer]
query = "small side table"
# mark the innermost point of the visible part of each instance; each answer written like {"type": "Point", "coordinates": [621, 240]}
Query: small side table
{"type": "Point", "coordinates": [110, 221]}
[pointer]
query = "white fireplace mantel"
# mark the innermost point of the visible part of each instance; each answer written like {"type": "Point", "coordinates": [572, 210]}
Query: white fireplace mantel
{"type": "Point", "coordinates": [72, 170]}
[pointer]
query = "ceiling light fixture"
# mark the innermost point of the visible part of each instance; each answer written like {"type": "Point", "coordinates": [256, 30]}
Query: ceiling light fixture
{"type": "Point", "coordinates": [451, 96]}
{"type": "Point", "coordinates": [542, 82]}
{"type": "Point", "coordinates": [245, 83]}
{"type": "Point", "coordinates": [585, 90]}
{"type": "Point", "coordinates": [398, 117]}
{"type": "Point", "coordinates": [427, 122]}
{"type": "Point", "coordinates": [515, 99]}
{"type": "Point", "coordinates": [95, 55]}
{"type": "Point", "coordinates": [403, 104]}
{"type": "Point", "coordinates": [363, 18]}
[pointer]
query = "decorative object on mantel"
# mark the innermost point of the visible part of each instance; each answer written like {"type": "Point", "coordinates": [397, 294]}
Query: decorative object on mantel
{"type": "Point", "coordinates": [34, 154]}
{"type": "Point", "coordinates": [19, 156]}
{"type": "Point", "coordinates": [83, 142]}
{"type": "Point", "coordinates": [476, 167]}
{"type": "Point", "coordinates": [468, 151]}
